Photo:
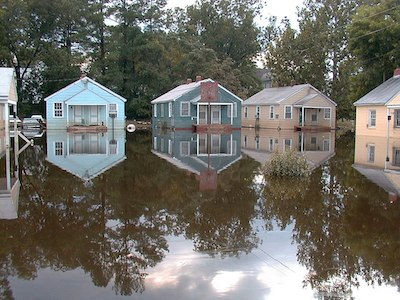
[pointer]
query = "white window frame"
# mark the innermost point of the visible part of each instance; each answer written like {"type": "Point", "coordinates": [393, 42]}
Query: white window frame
{"type": "Point", "coordinates": [284, 144]}
{"type": "Point", "coordinates": [396, 115]}
{"type": "Point", "coordinates": [371, 153]}
{"type": "Point", "coordinates": [184, 148]}
{"type": "Point", "coordinates": [169, 109]}
{"type": "Point", "coordinates": [182, 110]}
{"type": "Point", "coordinates": [112, 107]}
{"type": "Point", "coordinates": [231, 146]}
{"type": "Point", "coordinates": [371, 119]}
{"type": "Point", "coordinates": [258, 112]}
{"type": "Point", "coordinates": [271, 144]}
{"type": "Point", "coordinates": [326, 145]}
{"type": "Point", "coordinates": [286, 113]}
{"type": "Point", "coordinates": [58, 111]}
{"type": "Point", "coordinates": [58, 148]}
{"type": "Point", "coordinates": [327, 109]}
{"type": "Point", "coordinates": [162, 110]}
{"type": "Point", "coordinates": [271, 112]}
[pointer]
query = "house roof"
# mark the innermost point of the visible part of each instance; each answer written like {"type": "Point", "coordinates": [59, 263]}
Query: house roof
{"type": "Point", "coordinates": [6, 77]}
{"type": "Point", "coordinates": [274, 96]}
{"type": "Point", "coordinates": [183, 89]}
{"type": "Point", "coordinates": [382, 94]}
{"type": "Point", "coordinates": [83, 80]}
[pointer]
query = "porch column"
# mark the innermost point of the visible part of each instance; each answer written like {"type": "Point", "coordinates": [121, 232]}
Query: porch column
{"type": "Point", "coordinates": [387, 136]}
{"type": "Point", "coordinates": [302, 116]}
{"type": "Point", "coordinates": [231, 113]}
{"type": "Point", "coordinates": [198, 114]}
{"type": "Point", "coordinates": [67, 114]}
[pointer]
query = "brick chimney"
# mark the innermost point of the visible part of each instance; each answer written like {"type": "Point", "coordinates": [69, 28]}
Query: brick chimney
{"type": "Point", "coordinates": [189, 80]}
{"type": "Point", "coordinates": [396, 72]}
{"type": "Point", "coordinates": [198, 78]}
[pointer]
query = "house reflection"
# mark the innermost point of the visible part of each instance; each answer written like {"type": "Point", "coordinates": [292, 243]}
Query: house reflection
{"type": "Point", "coordinates": [85, 154]}
{"type": "Point", "coordinates": [317, 147]}
{"type": "Point", "coordinates": [378, 159]}
{"type": "Point", "coordinates": [203, 154]}
{"type": "Point", "coordinates": [9, 177]}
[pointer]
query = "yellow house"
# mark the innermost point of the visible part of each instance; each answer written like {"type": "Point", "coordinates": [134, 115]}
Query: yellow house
{"type": "Point", "coordinates": [291, 107]}
{"type": "Point", "coordinates": [378, 126]}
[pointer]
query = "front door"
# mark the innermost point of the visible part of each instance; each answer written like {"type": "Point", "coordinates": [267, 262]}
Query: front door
{"type": "Point", "coordinates": [314, 116]}
{"type": "Point", "coordinates": [78, 115]}
{"type": "Point", "coordinates": [94, 115]}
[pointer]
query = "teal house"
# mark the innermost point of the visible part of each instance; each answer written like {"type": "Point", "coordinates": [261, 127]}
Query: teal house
{"type": "Point", "coordinates": [85, 104]}
{"type": "Point", "coordinates": [197, 105]}
{"type": "Point", "coordinates": [205, 155]}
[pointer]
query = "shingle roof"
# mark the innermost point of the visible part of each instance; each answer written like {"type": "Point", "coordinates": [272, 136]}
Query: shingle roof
{"type": "Point", "coordinates": [274, 95]}
{"type": "Point", "coordinates": [178, 91]}
{"type": "Point", "coordinates": [6, 77]}
{"type": "Point", "coordinates": [382, 94]}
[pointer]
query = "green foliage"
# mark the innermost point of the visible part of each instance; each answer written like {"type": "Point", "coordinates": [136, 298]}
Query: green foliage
{"type": "Point", "coordinates": [287, 164]}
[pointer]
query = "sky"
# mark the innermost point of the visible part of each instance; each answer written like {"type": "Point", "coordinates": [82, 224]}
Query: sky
{"type": "Point", "coordinates": [278, 8]}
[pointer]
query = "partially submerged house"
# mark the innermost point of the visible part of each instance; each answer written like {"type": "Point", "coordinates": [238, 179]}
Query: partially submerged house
{"type": "Point", "coordinates": [199, 105]}
{"type": "Point", "coordinates": [85, 105]}
{"type": "Point", "coordinates": [8, 95]}
{"type": "Point", "coordinates": [297, 107]}
{"type": "Point", "coordinates": [378, 126]}
{"type": "Point", "coordinates": [86, 154]}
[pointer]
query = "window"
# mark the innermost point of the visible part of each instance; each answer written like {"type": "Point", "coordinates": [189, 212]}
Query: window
{"type": "Point", "coordinates": [245, 112]}
{"type": "Point", "coordinates": [185, 112]}
{"type": "Point", "coordinates": [245, 141]}
{"type": "Point", "coordinates": [155, 110]}
{"type": "Point", "coordinates": [271, 144]}
{"type": "Point", "coordinates": [371, 153]}
{"type": "Point", "coordinates": [234, 110]}
{"type": "Point", "coordinates": [112, 107]}
{"type": "Point", "coordinates": [327, 113]}
{"type": "Point", "coordinates": [58, 110]}
{"type": "Point", "coordinates": [396, 157]}
{"type": "Point", "coordinates": [59, 148]}
{"type": "Point", "coordinates": [170, 109]}
{"type": "Point", "coordinates": [257, 139]}
{"type": "Point", "coordinates": [313, 140]}
{"type": "Point", "coordinates": [287, 144]}
{"type": "Point", "coordinates": [397, 118]}
{"type": "Point", "coordinates": [326, 145]}
{"type": "Point", "coordinates": [271, 112]}
{"type": "Point", "coordinates": [258, 111]}
{"type": "Point", "coordinates": [184, 148]}
{"type": "Point", "coordinates": [288, 112]}
{"type": "Point", "coordinates": [162, 110]}
{"type": "Point", "coordinates": [372, 118]}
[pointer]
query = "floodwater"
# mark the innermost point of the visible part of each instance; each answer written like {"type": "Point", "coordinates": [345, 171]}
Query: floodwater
{"type": "Point", "coordinates": [175, 215]}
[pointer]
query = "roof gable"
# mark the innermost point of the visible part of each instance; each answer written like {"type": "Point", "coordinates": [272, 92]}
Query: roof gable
{"type": "Point", "coordinates": [184, 89]}
{"type": "Point", "coordinates": [8, 89]}
{"type": "Point", "coordinates": [382, 94]}
{"type": "Point", "coordinates": [83, 84]}
{"type": "Point", "coordinates": [271, 96]}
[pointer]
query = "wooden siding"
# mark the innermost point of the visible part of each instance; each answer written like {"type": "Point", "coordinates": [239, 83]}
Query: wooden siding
{"type": "Point", "coordinates": [380, 144]}
{"type": "Point", "coordinates": [178, 121]}
{"type": "Point", "coordinates": [362, 121]}
{"type": "Point", "coordinates": [85, 94]}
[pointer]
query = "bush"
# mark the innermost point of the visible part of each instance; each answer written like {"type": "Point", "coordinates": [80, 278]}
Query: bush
{"type": "Point", "coordinates": [287, 164]}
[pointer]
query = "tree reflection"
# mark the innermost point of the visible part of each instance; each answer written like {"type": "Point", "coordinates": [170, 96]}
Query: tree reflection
{"type": "Point", "coordinates": [344, 225]}
{"type": "Point", "coordinates": [115, 226]}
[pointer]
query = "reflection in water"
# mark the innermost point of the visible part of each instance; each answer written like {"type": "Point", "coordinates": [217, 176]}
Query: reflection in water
{"type": "Point", "coordinates": [85, 154]}
{"type": "Point", "coordinates": [144, 227]}
{"type": "Point", "coordinates": [316, 146]}
{"type": "Point", "coordinates": [204, 154]}
{"type": "Point", "coordinates": [378, 159]}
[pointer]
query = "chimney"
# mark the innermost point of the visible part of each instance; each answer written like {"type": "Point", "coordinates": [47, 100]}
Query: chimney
{"type": "Point", "coordinates": [396, 72]}
{"type": "Point", "coordinates": [189, 80]}
{"type": "Point", "coordinates": [198, 78]}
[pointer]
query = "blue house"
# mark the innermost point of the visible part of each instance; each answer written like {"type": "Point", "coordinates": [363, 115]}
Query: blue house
{"type": "Point", "coordinates": [197, 105]}
{"type": "Point", "coordinates": [85, 104]}
{"type": "Point", "coordinates": [86, 154]}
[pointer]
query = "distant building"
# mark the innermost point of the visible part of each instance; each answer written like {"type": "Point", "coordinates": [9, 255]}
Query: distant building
{"type": "Point", "coordinates": [87, 105]}
{"type": "Point", "coordinates": [197, 105]}
{"type": "Point", "coordinates": [291, 107]}
{"type": "Point", "coordinates": [265, 77]}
